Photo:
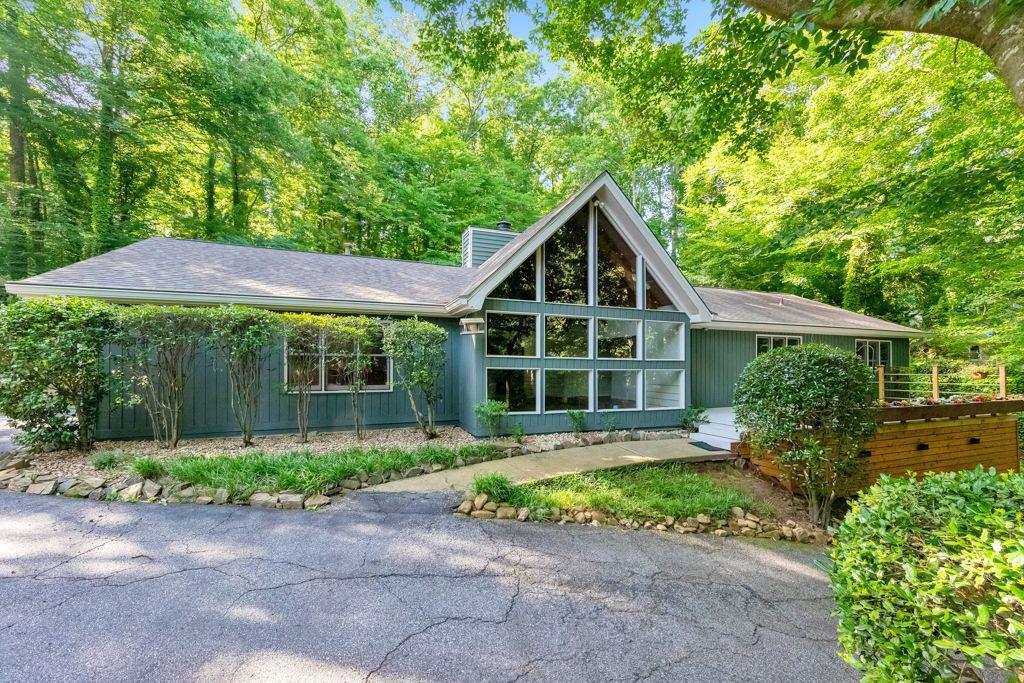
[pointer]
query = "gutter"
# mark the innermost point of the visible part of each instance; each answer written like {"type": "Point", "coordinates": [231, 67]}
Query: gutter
{"type": "Point", "coordinates": [789, 328]}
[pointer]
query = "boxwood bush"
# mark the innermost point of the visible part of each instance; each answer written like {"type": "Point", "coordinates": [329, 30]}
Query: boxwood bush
{"type": "Point", "coordinates": [928, 576]}
{"type": "Point", "coordinates": [810, 406]}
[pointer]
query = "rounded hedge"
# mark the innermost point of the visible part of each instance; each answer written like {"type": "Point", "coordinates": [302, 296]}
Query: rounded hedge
{"type": "Point", "coordinates": [928, 576]}
{"type": "Point", "coordinates": [813, 391]}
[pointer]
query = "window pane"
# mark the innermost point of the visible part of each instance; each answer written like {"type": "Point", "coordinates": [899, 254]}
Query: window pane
{"type": "Point", "coordinates": [779, 342]}
{"type": "Point", "coordinates": [616, 267]}
{"type": "Point", "coordinates": [764, 345]}
{"type": "Point", "coordinates": [664, 389]}
{"type": "Point", "coordinates": [375, 375]}
{"type": "Point", "coordinates": [304, 369]}
{"type": "Point", "coordinates": [655, 297]}
{"type": "Point", "coordinates": [521, 284]}
{"type": "Point", "coordinates": [885, 353]}
{"type": "Point", "coordinates": [617, 389]}
{"type": "Point", "coordinates": [566, 262]}
{"type": "Point", "coordinates": [511, 335]}
{"type": "Point", "coordinates": [618, 338]}
{"type": "Point", "coordinates": [566, 337]}
{"type": "Point", "coordinates": [566, 390]}
{"type": "Point", "coordinates": [517, 388]}
{"type": "Point", "coordinates": [794, 341]}
{"type": "Point", "coordinates": [664, 341]}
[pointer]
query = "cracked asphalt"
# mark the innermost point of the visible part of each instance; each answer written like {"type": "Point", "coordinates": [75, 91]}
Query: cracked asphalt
{"type": "Point", "coordinates": [389, 587]}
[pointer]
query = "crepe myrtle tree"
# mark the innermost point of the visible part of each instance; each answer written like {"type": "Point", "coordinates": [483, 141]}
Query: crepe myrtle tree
{"type": "Point", "coordinates": [244, 337]}
{"type": "Point", "coordinates": [52, 374]}
{"type": "Point", "coordinates": [810, 407]}
{"type": "Point", "coordinates": [303, 334]}
{"type": "Point", "coordinates": [416, 348]}
{"type": "Point", "coordinates": [157, 348]}
{"type": "Point", "coordinates": [348, 343]}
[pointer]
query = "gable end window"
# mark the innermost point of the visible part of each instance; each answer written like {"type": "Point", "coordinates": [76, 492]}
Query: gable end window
{"type": "Point", "coordinates": [767, 342]}
{"type": "Point", "coordinates": [616, 266]}
{"type": "Point", "coordinates": [567, 261]}
{"type": "Point", "coordinates": [875, 352]}
{"type": "Point", "coordinates": [521, 284]}
{"type": "Point", "coordinates": [511, 334]}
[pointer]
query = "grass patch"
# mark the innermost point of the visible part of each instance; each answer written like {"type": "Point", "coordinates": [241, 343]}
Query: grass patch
{"type": "Point", "coordinates": [149, 468]}
{"type": "Point", "coordinates": [636, 492]}
{"type": "Point", "coordinates": [304, 472]}
{"type": "Point", "coordinates": [107, 460]}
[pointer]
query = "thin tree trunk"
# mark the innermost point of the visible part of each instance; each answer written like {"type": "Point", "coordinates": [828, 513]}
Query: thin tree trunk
{"type": "Point", "coordinates": [102, 186]}
{"type": "Point", "coordinates": [210, 190]}
{"type": "Point", "coordinates": [239, 210]}
{"type": "Point", "coordinates": [15, 242]}
{"type": "Point", "coordinates": [416, 412]}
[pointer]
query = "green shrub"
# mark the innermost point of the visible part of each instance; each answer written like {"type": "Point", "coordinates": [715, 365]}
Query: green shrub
{"type": "Point", "coordinates": [811, 407]}
{"type": "Point", "coordinates": [52, 374]}
{"type": "Point", "coordinates": [149, 467]}
{"type": "Point", "coordinates": [417, 350]}
{"type": "Point", "coordinates": [491, 413]}
{"type": "Point", "coordinates": [577, 421]}
{"type": "Point", "coordinates": [692, 418]}
{"type": "Point", "coordinates": [928, 576]}
{"type": "Point", "coordinates": [107, 460]}
{"type": "Point", "coordinates": [609, 422]}
{"type": "Point", "coordinates": [519, 432]}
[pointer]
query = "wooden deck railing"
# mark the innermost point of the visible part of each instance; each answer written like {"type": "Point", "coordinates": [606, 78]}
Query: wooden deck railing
{"type": "Point", "coordinates": [896, 384]}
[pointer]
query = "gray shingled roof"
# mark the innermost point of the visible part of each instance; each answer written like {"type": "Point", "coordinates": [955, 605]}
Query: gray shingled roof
{"type": "Point", "coordinates": [745, 306]}
{"type": "Point", "coordinates": [162, 264]}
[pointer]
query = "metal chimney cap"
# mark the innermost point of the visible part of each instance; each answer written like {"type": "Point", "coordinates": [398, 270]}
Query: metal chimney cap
{"type": "Point", "coordinates": [504, 225]}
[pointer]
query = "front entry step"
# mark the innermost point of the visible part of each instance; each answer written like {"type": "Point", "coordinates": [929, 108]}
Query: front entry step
{"type": "Point", "coordinates": [716, 441]}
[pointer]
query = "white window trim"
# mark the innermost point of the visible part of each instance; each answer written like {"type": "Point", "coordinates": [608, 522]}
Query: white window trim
{"type": "Point", "coordinates": [639, 338]}
{"type": "Point", "coordinates": [590, 390]}
{"type": "Point", "coordinates": [682, 339]}
{"type": "Point", "coordinates": [537, 282]}
{"type": "Point", "coordinates": [343, 389]}
{"type": "Point", "coordinates": [640, 390]}
{"type": "Point", "coordinates": [537, 396]}
{"type": "Point", "coordinates": [682, 389]}
{"type": "Point", "coordinates": [858, 342]}
{"type": "Point", "coordinates": [759, 337]}
{"type": "Point", "coordinates": [536, 333]}
{"type": "Point", "coordinates": [590, 336]}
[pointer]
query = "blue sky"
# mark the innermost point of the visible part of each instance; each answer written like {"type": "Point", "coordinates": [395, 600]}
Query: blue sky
{"type": "Point", "coordinates": [697, 18]}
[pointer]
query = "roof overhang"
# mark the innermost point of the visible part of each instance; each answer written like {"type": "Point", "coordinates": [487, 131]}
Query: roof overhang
{"type": "Point", "coordinates": [131, 296]}
{"type": "Point", "coordinates": [606, 191]}
{"type": "Point", "coordinates": [806, 329]}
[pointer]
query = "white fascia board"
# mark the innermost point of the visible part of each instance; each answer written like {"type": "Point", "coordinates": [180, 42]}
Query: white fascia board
{"type": "Point", "coordinates": [642, 239]}
{"type": "Point", "coordinates": [475, 299]}
{"type": "Point", "coordinates": [209, 299]}
{"type": "Point", "coordinates": [807, 329]}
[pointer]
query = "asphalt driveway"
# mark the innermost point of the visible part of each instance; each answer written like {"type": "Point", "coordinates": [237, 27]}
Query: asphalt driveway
{"type": "Point", "coordinates": [390, 588]}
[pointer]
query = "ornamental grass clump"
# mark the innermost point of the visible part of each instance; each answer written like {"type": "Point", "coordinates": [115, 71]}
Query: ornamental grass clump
{"type": "Point", "coordinates": [810, 407]}
{"type": "Point", "coordinates": [928, 576]}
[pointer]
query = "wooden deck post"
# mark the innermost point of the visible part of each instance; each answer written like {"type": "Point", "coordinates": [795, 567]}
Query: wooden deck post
{"type": "Point", "coordinates": [1002, 381]}
{"type": "Point", "coordinates": [935, 382]}
{"type": "Point", "coordinates": [881, 382]}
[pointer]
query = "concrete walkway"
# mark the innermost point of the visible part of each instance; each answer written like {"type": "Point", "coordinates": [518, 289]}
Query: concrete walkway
{"type": "Point", "coordinates": [536, 466]}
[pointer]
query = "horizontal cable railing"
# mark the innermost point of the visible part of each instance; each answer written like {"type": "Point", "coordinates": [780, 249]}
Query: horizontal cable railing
{"type": "Point", "coordinates": [896, 384]}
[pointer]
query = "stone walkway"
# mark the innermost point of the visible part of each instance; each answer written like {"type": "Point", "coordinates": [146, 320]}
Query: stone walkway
{"type": "Point", "coordinates": [536, 466]}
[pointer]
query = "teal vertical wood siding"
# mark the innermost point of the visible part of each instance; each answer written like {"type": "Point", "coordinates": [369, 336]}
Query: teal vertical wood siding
{"type": "Point", "coordinates": [476, 363]}
{"type": "Point", "coordinates": [479, 245]}
{"type": "Point", "coordinates": [719, 356]}
{"type": "Point", "coordinates": [208, 408]}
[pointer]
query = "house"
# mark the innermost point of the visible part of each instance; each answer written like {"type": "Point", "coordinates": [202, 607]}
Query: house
{"type": "Point", "coordinates": [584, 310]}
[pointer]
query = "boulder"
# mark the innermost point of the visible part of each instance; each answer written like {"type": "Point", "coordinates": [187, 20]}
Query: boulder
{"type": "Point", "coordinates": [482, 514]}
{"type": "Point", "coordinates": [599, 517]}
{"type": "Point", "coordinates": [45, 488]}
{"type": "Point", "coordinates": [187, 492]}
{"type": "Point", "coordinates": [17, 464]}
{"type": "Point", "coordinates": [466, 506]}
{"type": "Point", "coordinates": [374, 479]}
{"type": "Point", "coordinates": [703, 519]}
{"type": "Point", "coordinates": [45, 476]}
{"type": "Point", "coordinates": [480, 501]}
{"type": "Point", "coordinates": [220, 496]}
{"type": "Point", "coordinates": [94, 482]}
{"type": "Point", "coordinates": [523, 514]}
{"type": "Point", "coordinates": [505, 512]}
{"type": "Point", "coordinates": [19, 484]}
{"type": "Point", "coordinates": [291, 501]}
{"type": "Point", "coordinates": [491, 506]}
{"type": "Point", "coordinates": [738, 512]}
{"type": "Point", "coordinates": [263, 500]}
{"type": "Point", "coordinates": [413, 472]}
{"type": "Point", "coordinates": [150, 489]}
{"type": "Point", "coordinates": [203, 500]}
{"type": "Point", "coordinates": [132, 492]}
{"type": "Point", "coordinates": [316, 501]}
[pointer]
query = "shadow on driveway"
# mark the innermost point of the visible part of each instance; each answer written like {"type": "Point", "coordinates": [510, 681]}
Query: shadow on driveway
{"type": "Point", "coordinates": [395, 589]}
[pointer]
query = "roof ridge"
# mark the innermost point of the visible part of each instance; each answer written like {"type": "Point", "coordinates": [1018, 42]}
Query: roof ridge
{"type": "Point", "coordinates": [296, 251]}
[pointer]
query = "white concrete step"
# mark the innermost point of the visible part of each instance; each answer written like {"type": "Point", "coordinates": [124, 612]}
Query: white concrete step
{"type": "Point", "coordinates": [725, 431]}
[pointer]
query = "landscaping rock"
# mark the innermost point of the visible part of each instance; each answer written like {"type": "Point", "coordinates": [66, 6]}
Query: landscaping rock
{"type": "Point", "coordinates": [45, 488]}
{"type": "Point", "coordinates": [482, 514]}
{"type": "Point", "coordinates": [374, 479]}
{"type": "Point", "coordinates": [738, 512]}
{"type": "Point", "coordinates": [413, 472]}
{"type": "Point", "coordinates": [98, 494]}
{"type": "Point", "coordinates": [466, 506]}
{"type": "Point", "coordinates": [580, 518]}
{"type": "Point", "coordinates": [17, 464]}
{"type": "Point", "coordinates": [599, 517]}
{"type": "Point", "coordinates": [19, 484]}
{"type": "Point", "coordinates": [505, 512]}
{"type": "Point", "coordinates": [291, 501]}
{"type": "Point", "coordinates": [220, 496]}
{"type": "Point", "coordinates": [703, 519]}
{"type": "Point", "coordinates": [45, 476]}
{"type": "Point", "coordinates": [133, 492]}
{"type": "Point", "coordinates": [316, 501]}
{"type": "Point", "coordinates": [203, 500]}
{"type": "Point", "coordinates": [150, 489]}
{"type": "Point", "coordinates": [263, 500]}
{"type": "Point", "coordinates": [491, 506]}
{"type": "Point", "coordinates": [523, 514]}
{"type": "Point", "coordinates": [187, 492]}
{"type": "Point", "coordinates": [480, 501]}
